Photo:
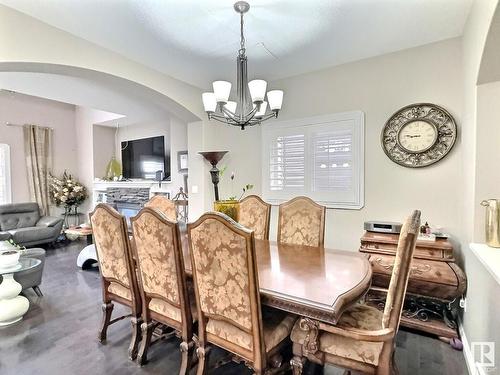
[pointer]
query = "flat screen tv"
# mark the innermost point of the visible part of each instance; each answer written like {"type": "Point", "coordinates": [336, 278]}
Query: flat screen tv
{"type": "Point", "coordinates": [143, 158]}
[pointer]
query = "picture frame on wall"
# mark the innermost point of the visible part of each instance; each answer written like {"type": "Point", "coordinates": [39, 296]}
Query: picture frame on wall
{"type": "Point", "coordinates": [182, 161]}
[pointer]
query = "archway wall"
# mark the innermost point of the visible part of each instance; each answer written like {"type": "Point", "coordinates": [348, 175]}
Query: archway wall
{"type": "Point", "coordinates": [27, 44]}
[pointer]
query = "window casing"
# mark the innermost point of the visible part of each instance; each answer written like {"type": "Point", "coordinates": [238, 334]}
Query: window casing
{"type": "Point", "coordinates": [5, 182]}
{"type": "Point", "coordinates": [320, 157]}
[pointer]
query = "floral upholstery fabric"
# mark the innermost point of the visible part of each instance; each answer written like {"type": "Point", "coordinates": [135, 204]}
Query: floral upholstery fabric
{"type": "Point", "coordinates": [360, 317]}
{"type": "Point", "coordinates": [166, 309]}
{"type": "Point", "coordinates": [164, 205]}
{"type": "Point", "coordinates": [120, 291]}
{"type": "Point", "coordinates": [154, 242]}
{"type": "Point", "coordinates": [277, 326]}
{"type": "Point", "coordinates": [301, 223]}
{"type": "Point", "coordinates": [220, 261]}
{"type": "Point", "coordinates": [110, 245]}
{"type": "Point", "coordinates": [254, 216]}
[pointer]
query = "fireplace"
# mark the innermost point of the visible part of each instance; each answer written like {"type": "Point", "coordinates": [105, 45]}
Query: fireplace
{"type": "Point", "coordinates": [128, 209]}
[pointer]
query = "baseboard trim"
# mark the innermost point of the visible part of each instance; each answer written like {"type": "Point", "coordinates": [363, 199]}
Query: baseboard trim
{"type": "Point", "coordinates": [469, 360]}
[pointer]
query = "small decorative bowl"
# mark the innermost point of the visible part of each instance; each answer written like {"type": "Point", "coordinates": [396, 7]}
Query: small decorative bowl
{"type": "Point", "coordinates": [9, 259]}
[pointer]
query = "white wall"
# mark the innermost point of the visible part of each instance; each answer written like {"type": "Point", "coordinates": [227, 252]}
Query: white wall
{"type": "Point", "coordinates": [23, 109]}
{"type": "Point", "coordinates": [377, 86]}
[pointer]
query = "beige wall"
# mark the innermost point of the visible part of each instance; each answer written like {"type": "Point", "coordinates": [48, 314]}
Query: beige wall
{"type": "Point", "coordinates": [377, 86]}
{"type": "Point", "coordinates": [103, 148]}
{"type": "Point", "coordinates": [24, 109]}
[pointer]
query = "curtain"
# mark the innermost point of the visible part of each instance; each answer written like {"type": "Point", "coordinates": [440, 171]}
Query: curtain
{"type": "Point", "coordinates": [38, 151]}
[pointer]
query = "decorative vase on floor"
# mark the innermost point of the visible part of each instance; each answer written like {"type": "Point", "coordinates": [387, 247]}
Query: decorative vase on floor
{"type": "Point", "coordinates": [229, 207]}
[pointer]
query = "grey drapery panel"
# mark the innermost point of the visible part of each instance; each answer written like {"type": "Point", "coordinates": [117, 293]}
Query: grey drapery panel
{"type": "Point", "coordinates": [38, 151]}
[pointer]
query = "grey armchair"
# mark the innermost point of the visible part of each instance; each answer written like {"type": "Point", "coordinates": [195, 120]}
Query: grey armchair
{"type": "Point", "coordinates": [22, 223]}
{"type": "Point", "coordinates": [31, 278]}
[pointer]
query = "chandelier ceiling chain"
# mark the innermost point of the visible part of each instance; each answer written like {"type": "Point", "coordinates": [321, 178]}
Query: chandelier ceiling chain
{"type": "Point", "coordinates": [250, 107]}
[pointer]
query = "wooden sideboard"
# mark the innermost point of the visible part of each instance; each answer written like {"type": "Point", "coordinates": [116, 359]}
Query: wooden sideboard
{"type": "Point", "coordinates": [435, 282]}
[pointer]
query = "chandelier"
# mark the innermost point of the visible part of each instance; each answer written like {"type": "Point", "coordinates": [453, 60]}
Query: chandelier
{"type": "Point", "coordinates": [251, 106]}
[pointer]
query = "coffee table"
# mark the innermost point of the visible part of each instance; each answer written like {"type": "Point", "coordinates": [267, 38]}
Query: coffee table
{"type": "Point", "coordinates": [80, 232]}
{"type": "Point", "coordinates": [12, 305]}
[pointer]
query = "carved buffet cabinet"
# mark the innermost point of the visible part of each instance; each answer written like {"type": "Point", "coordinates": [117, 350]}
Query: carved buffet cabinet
{"type": "Point", "coordinates": [434, 285]}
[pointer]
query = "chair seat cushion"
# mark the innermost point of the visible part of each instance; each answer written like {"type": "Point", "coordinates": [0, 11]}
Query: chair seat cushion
{"type": "Point", "coordinates": [166, 309]}
{"type": "Point", "coordinates": [277, 327]}
{"type": "Point", "coordinates": [120, 291]}
{"type": "Point", "coordinates": [23, 235]}
{"type": "Point", "coordinates": [359, 316]}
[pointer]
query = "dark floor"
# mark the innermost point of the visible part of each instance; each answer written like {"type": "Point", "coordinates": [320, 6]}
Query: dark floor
{"type": "Point", "coordinates": [58, 334]}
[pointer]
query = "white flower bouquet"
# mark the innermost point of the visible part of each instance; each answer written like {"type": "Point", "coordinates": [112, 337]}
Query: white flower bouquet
{"type": "Point", "coordinates": [66, 191]}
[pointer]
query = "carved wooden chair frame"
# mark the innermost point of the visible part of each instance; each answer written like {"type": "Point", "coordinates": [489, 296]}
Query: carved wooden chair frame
{"type": "Point", "coordinates": [258, 360]}
{"type": "Point", "coordinates": [159, 202]}
{"type": "Point", "coordinates": [108, 297]}
{"type": "Point", "coordinates": [183, 329]}
{"type": "Point", "coordinates": [268, 212]}
{"type": "Point", "coordinates": [390, 322]}
{"type": "Point", "coordinates": [283, 206]}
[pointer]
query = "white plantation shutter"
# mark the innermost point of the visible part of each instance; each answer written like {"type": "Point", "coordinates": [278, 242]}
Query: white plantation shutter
{"type": "Point", "coordinates": [287, 163]}
{"type": "Point", "coordinates": [320, 157]}
{"type": "Point", "coordinates": [5, 190]}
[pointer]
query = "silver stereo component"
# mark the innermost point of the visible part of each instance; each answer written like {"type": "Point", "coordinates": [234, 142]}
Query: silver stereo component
{"type": "Point", "coordinates": [383, 226]}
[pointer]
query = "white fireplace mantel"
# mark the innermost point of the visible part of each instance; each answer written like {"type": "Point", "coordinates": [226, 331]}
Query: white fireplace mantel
{"type": "Point", "coordinates": [100, 187]}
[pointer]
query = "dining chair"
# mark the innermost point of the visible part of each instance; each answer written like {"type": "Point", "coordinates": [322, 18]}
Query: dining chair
{"type": "Point", "coordinates": [119, 282]}
{"type": "Point", "coordinates": [228, 300]}
{"type": "Point", "coordinates": [364, 339]}
{"type": "Point", "coordinates": [165, 205]}
{"type": "Point", "coordinates": [255, 215]}
{"type": "Point", "coordinates": [162, 281]}
{"type": "Point", "coordinates": [301, 221]}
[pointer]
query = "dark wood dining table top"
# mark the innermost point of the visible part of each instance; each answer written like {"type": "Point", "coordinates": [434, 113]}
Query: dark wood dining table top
{"type": "Point", "coordinates": [309, 281]}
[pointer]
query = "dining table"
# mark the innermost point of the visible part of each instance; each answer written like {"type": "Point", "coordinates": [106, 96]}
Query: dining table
{"type": "Point", "coordinates": [313, 282]}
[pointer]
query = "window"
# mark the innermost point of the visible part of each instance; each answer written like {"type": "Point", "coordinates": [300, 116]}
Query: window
{"type": "Point", "coordinates": [5, 193]}
{"type": "Point", "coordinates": [320, 157]}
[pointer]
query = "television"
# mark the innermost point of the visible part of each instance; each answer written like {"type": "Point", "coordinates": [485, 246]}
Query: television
{"type": "Point", "coordinates": [143, 158]}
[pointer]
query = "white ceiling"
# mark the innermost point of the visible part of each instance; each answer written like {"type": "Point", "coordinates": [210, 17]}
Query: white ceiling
{"type": "Point", "coordinates": [197, 40]}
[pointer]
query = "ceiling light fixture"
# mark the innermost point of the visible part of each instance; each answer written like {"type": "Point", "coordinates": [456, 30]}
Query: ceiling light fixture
{"type": "Point", "coordinates": [250, 107]}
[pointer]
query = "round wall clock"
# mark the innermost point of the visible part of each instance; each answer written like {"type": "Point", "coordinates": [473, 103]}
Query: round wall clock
{"type": "Point", "coordinates": [419, 135]}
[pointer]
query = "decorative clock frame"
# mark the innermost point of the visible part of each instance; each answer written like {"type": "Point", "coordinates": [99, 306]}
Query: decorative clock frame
{"type": "Point", "coordinates": [440, 119]}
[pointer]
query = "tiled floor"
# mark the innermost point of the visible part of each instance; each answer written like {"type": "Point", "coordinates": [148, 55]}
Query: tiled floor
{"type": "Point", "coordinates": [58, 335]}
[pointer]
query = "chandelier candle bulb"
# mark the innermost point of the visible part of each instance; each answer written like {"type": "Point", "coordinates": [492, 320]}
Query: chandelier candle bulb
{"type": "Point", "coordinates": [261, 111]}
{"type": "Point", "coordinates": [257, 90]}
{"type": "Point", "coordinates": [209, 101]}
{"type": "Point", "coordinates": [221, 91]}
{"type": "Point", "coordinates": [275, 99]}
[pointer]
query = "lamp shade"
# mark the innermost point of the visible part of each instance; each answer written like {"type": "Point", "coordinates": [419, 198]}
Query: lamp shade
{"type": "Point", "coordinates": [275, 99]}
{"type": "Point", "coordinates": [257, 89]}
{"type": "Point", "coordinates": [262, 111]}
{"type": "Point", "coordinates": [221, 90]}
{"type": "Point", "coordinates": [231, 106]}
{"type": "Point", "coordinates": [209, 102]}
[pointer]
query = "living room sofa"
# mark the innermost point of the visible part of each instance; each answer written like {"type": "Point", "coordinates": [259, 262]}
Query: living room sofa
{"type": "Point", "coordinates": [22, 223]}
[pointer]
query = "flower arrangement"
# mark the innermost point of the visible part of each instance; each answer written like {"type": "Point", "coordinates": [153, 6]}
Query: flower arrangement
{"type": "Point", "coordinates": [66, 191]}
{"type": "Point", "coordinates": [231, 206]}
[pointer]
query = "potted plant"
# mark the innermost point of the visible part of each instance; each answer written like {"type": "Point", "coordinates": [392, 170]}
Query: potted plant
{"type": "Point", "coordinates": [231, 206]}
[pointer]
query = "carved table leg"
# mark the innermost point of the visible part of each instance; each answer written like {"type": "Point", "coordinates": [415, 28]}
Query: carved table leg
{"type": "Point", "coordinates": [297, 364]}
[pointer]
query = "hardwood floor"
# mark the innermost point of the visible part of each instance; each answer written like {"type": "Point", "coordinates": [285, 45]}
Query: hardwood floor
{"type": "Point", "coordinates": [58, 335]}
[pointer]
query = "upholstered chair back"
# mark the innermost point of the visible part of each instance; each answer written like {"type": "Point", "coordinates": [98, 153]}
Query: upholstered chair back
{"type": "Point", "coordinates": [113, 253]}
{"type": "Point", "coordinates": [254, 215]}
{"type": "Point", "coordinates": [401, 271]}
{"type": "Point", "coordinates": [226, 286]}
{"type": "Point", "coordinates": [160, 266]}
{"type": "Point", "coordinates": [163, 204]}
{"type": "Point", "coordinates": [301, 221]}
